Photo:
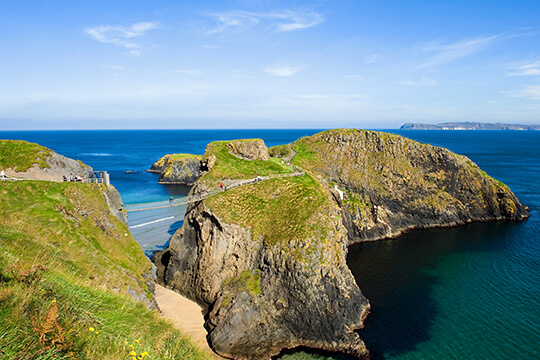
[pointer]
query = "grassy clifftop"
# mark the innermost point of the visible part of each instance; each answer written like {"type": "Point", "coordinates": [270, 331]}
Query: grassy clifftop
{"type": "Point", "coordinates": [21, 155]}
{"type": "Point", "coordinates": [224, 165]}
{"type": "Point", "coordinates": [67, 270]}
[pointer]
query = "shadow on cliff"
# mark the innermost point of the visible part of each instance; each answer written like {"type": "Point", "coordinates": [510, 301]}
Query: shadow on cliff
{"type": "Point", "coordinates": [397, 277]}
{"type": "Point", "coordinates": [173, 228]}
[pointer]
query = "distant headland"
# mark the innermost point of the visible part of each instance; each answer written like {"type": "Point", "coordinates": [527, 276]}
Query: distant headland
{"type": "Point", "coordinates": [467, 126]}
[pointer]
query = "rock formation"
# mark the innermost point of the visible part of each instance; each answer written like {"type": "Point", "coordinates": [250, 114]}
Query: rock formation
{"type": "Point", "coordinates": [33, 161]}
{"type": "Point", "coordinates": [178, 169]}
{"type": "Point", "coordinates": [266, 261]}
{"type": "Point", "coordinates": [252, 149]}
{"type": "Point", "coordinates": [394, 184]}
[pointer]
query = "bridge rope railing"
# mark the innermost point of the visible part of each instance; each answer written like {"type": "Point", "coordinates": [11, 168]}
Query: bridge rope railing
{"type": "Point", "coordinates": [206, 195]}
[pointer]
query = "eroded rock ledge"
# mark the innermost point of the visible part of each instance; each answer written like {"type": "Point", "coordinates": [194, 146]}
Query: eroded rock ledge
{"type": "Point", "coordinates": [267, 262]}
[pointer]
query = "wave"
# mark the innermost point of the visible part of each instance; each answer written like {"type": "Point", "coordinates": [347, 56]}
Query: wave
{"type": "Point", "coordinates": [151, 222]}
{"type": "Point", "coordinates": [97, 154]}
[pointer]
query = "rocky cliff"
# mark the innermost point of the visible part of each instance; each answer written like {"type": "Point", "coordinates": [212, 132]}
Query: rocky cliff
{"type": "Point", "coordinates": [25, 160]}
{"type": "Point", "coordinates": [177, 169]}
{"type": "Point", "coordinates": [393, 184]}
{"type": "Point", "coordinates": [266, 261]}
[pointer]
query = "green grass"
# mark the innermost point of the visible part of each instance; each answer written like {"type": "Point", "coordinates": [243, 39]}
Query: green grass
{"type": "Point", "coordinates": [280, 151]}
{"type": "Point", "coordinates": [228, 166]}
{"type": "Point", "coordinates": [21, 155]}
{"type": "Point", "coordinates": [184, 156]}
{"type": "Point", "coordinates": [87, 263]}
{"type": "Point", "coordinates": [278, 210]}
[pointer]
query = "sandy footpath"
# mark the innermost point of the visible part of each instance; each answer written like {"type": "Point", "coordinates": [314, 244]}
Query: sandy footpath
{"type": "Point", "coordinates": [186, 316]}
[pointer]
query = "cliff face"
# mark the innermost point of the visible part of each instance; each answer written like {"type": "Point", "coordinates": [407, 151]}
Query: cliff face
{"type": "Point", "coordinates": [393, 184]}
{"type": "Point", "coordinates": [251, 149]}
{"type": "Point", "coordinates": [266, 261]}
{"type": "Point", "coordinates": [177, 169]}
{"type": "Point", "coordinates": [260, 297]}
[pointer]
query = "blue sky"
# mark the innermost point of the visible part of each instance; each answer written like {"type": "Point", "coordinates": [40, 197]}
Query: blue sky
{"type": "Point", "coordinates": [267, 64]}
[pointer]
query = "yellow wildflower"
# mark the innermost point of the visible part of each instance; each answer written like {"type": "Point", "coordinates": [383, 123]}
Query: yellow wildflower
{"type": "Point", "coordinates": [131, 346]}
{"type": "Point", "coordinates": [144, 354]}
{"type": "Point", "coordinates": [137, 341]}
{"type": "Point", "coordinates": [133, 353]}
{"type": "Point", "coordinates": [91, 329]}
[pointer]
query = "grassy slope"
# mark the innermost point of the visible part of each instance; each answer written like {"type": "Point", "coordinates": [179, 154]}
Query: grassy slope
{"type": "Point", "coordinates": [67, 228]}
{"type": "Point", "coordinates": [375, 162]}
{"type": "Point", "coordinates": [21, 155]}
{"type": "Point", "coordinates": [282, 211]}
{"type": "Point", "coordinates": [281, 151]}
{"type": "Point", "coordinates": [228, 166]}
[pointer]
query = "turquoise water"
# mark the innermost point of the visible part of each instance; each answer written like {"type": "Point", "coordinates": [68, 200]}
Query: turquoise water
{"type": "Point", "coordinates": [471, 292]}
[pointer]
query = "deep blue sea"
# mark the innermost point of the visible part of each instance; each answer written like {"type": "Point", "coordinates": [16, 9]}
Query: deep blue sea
{"type": "Point", "coordinates": [471, 292]}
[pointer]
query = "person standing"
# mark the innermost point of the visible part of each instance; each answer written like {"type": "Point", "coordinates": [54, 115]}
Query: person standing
{"type": "Point", "coordinates": [3, 174]}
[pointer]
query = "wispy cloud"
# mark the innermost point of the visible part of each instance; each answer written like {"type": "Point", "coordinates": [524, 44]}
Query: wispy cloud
{"type": "Point", "coordinates": [281, 21]}
{"type": "Point", "coordinates": [528, 91]}
{"type": "Point", "coordinates": [370, 59]}
{"type": "Point", "coordinates": [424, 81]}
{"type": "Point", "coordinates": [116, 68]}
{"type": "Point", "coordinates": [445, 53]}
{"type": "Point", "coordinates": [122, 35]}
{"type": "Point", "coordinates": [281, 70]}
{"type": "Point", "coordinates": [531, 69]}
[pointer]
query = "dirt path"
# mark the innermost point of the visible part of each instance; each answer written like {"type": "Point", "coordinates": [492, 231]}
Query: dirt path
{"type": "Point", "coordinates": [186, 316]}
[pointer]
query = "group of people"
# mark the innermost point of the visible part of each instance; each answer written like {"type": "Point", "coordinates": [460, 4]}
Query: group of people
{"type": "Point", "coordinates": [72, 178]}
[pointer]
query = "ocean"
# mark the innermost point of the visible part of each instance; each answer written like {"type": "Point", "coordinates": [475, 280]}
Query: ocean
{"type": "Point", "coordinates": [471, 292]}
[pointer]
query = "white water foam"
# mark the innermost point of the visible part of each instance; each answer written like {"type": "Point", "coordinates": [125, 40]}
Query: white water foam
{"type": "Point", "coordinates": [151, 222]}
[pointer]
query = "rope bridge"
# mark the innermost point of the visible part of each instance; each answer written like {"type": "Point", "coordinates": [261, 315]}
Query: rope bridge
{"type": "Point", "coordinates": [195, 198]}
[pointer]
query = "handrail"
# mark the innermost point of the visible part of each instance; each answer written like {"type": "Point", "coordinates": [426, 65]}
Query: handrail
{"type": "Point", "coordinates": [195, 198]}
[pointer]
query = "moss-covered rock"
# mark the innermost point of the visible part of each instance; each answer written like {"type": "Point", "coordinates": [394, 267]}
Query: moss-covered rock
{"type": "Point", "coordinates": [182, 169]}
{"type": "Point", "coordinates": [393, 184]}
{"type": "Point", "coordinates": [250, 149]}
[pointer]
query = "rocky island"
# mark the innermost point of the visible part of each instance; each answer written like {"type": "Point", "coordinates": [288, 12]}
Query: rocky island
{"type": "Point", "coordinates": [467, 126]}
{"type": "Point", "coordinates": [266, 261]}
{"type": "Point", "coordinates": [183, 169]}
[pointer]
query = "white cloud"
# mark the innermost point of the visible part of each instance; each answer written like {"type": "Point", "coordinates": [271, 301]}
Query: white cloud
{"type": "Point", "coordinates": [122, 35]}
{"type": "Point", "coordinates": [373, 58]}
{"type": "Point", "coordinates": [281, 70]}
{"type": "Point", "coordinates": [528, 91]}
{"type": "Point", "coordinates": [532, 69]}
{"type": "Point", "coordinates": [445, 53]}
{"type": "Point", "coordinates": [116, 68]}
{"type": "Point", "coordinates": [424, 81]}
{"type": "Point", "coordinates": [281, 21]}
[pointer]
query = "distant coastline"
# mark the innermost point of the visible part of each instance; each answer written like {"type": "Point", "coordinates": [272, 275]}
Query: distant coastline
{"type": "Point", "coordinates": [467, 126]}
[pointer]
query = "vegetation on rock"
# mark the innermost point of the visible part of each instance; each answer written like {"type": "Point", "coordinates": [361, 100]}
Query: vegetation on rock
{"type": "Point", "coordinates": [21, 155]}
{"type": "Point", "coordinates": [178, 168]}
{"type": "Point", "coordinates": [280, 151]}
{"type": "Point", "coordinates": [69, 273]}
{"type": "Point", "coordinates": [224, 165]}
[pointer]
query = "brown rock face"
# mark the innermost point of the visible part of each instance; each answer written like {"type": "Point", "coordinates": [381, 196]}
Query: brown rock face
{"type": "Point", "coordinates": [393, 184]}
{"type": "Point", "coordinates": [261, 298]}
{"type": "Point", "coordinates": [254, 149]}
